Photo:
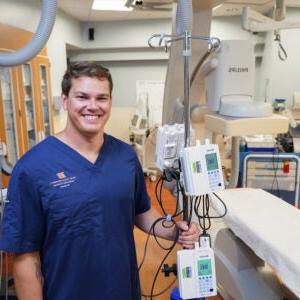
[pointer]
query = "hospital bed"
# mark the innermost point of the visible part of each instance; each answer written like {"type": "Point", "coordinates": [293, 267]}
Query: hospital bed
{"type": "Point", "coordinates": [257, 252]}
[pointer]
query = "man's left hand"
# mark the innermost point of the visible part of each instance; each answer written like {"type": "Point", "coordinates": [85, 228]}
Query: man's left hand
{"type": "Point", "coordinates": [188, 235]}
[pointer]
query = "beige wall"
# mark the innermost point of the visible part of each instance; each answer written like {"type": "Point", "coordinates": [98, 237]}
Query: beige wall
{"type": "Point", "coordinates": [118, 124]}
{"type": "Point", "coordinates": [60, 120]}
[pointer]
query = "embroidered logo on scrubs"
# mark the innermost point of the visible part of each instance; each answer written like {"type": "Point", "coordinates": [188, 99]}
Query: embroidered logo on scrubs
{"type": "Point", "coordinates": [63, 180]}
{"type": "Point", "coordinates": [61, 175]}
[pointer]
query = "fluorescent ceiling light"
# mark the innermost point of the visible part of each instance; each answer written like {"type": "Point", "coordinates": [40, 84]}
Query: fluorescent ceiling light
{"type": "Point", "coordinates": [217, 7]}
{"type": "Point", "coordinates": [110, 5]}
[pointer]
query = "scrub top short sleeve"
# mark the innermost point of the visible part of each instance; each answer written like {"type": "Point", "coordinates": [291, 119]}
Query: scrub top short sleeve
{"type": "Point", "coordinates": [142, 200]}
{"type": "Point", "coordinates": [72, 210]}
{"type": "Point", "coordinates": [22, 229]}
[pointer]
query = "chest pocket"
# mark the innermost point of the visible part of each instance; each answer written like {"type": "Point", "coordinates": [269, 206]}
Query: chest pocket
{"type": "Point", "coordinates": [75, 214]}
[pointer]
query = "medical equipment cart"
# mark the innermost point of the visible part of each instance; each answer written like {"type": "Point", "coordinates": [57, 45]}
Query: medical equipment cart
{"type": "Point", "coordinates": [277, 173]}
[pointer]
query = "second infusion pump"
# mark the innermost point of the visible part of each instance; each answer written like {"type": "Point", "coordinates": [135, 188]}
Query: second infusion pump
{"type": "Point", "coordinates": [202, 171]}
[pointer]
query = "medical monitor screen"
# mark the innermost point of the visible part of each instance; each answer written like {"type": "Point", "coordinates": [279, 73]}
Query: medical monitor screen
{"type": "Point", "coordinates": [134, 120]}
{"type": "Point", "coordinates": [211, 161]}
{"type": "Point", "coordinates": [143, 124]}
{"type": "Point", "coordinates": [204, 267]}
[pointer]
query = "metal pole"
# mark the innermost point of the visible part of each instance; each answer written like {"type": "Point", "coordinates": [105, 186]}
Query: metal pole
{"type": "Point", "coordinates": [186, 89]}
{"type": "Point", "coordinates": [186, 54]}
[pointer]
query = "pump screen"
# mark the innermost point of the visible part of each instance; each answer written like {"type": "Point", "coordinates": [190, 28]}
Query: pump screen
{"type": "Point", "coordinates": [211, 161]}
{"type": "Point", "coordinates": [204, 267]}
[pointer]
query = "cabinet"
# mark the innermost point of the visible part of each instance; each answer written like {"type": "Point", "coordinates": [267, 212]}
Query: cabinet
{"type": "Point", "coordinates": [26, 113]}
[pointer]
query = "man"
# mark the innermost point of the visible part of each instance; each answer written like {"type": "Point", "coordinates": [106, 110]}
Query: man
{"type": "Point", "coordinates": [74, 200]}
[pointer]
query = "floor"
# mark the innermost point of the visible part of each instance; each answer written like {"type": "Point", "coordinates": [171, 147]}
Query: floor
{"type": "Point", "coordinates": [155, 254]}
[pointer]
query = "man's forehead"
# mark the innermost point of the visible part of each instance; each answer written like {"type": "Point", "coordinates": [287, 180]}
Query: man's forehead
{"type": "Point", "coordinates": [89, 79]}
{"type": "Point", "coordinates": [85, 83]}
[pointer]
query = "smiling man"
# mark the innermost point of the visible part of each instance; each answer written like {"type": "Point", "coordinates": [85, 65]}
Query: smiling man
{"type": "Point", "coordinates": [74, 200]}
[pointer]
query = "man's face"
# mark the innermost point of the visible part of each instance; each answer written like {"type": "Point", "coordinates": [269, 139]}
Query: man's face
{"type": "Point", "coordinates": [88, 105]}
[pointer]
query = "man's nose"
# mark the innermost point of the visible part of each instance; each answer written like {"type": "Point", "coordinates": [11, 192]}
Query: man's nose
{"type": "Point", "coordinates": [92, 104]}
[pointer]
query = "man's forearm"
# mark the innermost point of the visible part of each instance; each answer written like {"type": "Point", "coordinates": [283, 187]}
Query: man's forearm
{"type": "Point", "coordinates": [146, 220]}
{"type": "Point", "coordinates": [186, 235]}
{"type": "Point", "coordinates": [28, 277]}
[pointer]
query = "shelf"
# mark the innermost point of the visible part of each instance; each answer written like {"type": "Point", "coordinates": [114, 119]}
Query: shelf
{"type": "Point", "coordinates": [246, 126]}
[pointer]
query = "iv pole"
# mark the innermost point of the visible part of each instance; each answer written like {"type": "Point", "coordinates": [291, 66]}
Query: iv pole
{"type": "Point", "coordinates": [184, 23]}
{"type": "Point", "coordinates": [186, 101]}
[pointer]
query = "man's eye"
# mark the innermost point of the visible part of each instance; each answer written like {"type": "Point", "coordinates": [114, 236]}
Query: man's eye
{"type": "Point", "coordinates": [103, 99]}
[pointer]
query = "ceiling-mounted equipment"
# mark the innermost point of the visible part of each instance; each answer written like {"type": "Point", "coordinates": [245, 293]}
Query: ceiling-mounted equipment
{"type": "Point", "coordinates": [163, 5]}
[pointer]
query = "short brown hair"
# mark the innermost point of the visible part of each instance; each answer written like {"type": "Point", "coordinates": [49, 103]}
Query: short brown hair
{"type": "Point", "coordinates": [84, 68]}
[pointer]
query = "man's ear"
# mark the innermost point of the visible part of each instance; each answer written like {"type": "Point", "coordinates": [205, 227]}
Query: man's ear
{"type": "Point", "coordinates": [64, 100]}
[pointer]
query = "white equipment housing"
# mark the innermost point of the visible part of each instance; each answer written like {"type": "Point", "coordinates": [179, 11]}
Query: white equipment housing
{"type": "Point", "coordinates": [230, 81]}
{"type": "Point", "coordinates": [169, 145]}
{"type": "Point", "coordinates": [169, 141]}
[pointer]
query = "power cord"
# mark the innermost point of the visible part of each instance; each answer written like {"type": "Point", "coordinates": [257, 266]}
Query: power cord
{"type": "Point", "coordinates": [167, 222]}
{"type": "Point", "coordinates": [282, 54]}
{"type": "Point", "coordinates": [168, 249]}
{"type": "Point", "coordinates": [195, 203]}
{"type": "Point", "coordinates": [204, 218]}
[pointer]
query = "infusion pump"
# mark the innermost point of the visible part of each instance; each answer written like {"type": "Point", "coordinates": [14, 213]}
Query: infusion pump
{"type": "Point", "coordinates": [196, 272]}
{"type": "Point", "coordinates": [202, 170]}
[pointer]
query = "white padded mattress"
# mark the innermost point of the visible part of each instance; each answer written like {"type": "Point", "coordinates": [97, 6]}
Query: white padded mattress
{"type": "Point", "coordinates": [269, 226]}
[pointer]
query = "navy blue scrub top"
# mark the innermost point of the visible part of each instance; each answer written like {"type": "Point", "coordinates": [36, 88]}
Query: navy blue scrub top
{"type": "Point", "coordinates": [80, 217]}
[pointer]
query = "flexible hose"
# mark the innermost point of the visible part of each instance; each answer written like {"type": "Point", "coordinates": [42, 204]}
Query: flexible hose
{"type": "Point", "coordinates": [38, 40]}
{"type": "Point", "coordinates": [184, 16]}
{"type": "Point", "coordinates": [5, 167]}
